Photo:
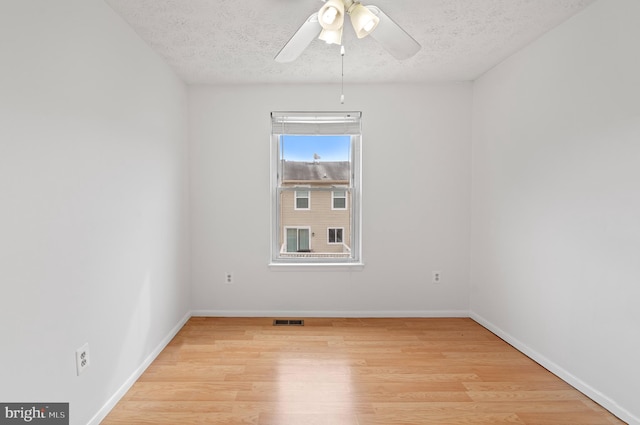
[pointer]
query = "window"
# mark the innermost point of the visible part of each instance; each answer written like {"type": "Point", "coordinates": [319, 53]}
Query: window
{"type": "Point", "coordinates": [335, 235]}
{"type": "Point", "coordinates": [315, 156]}
{"type": "Point", "coordinates": [339, 200]}
{"type": "Point", "coordinates": [302, 200]}
{"type": "Point", "coordinates": [297, 239]}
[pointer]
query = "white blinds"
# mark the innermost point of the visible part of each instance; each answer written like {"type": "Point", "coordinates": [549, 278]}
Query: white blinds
{"type": "Point", "coordinates": [324, 123]}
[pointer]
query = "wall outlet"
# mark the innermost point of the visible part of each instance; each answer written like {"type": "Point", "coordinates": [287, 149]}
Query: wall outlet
{"type": "Point", "coordinates": [228, 278]}
{"type": "Point", "coordinates": [436, 277]}
{"type": "Point", "coordinates": [82, 358]}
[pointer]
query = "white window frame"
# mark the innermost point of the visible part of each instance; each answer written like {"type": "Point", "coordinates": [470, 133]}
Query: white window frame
{"type": "Point", "coordinates": [318, 123]}
{"type": "Point", "coordinates": [308, 198]}
{"type": "Point", "coordinates": [334, 197]}
{"type": "Point", "coordinates": [329, 229]}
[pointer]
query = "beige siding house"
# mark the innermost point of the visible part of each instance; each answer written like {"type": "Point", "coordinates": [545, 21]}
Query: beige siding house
{"type": "Point", "coordinates": [315, 209]}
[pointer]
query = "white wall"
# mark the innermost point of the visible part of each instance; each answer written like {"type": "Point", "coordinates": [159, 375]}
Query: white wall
{"type": "Point", "coordinates": [93, 195]}
{"type": "Point", "coordinates": [555, 263]}
{"type": "Point", "coordinates": [416, 192]}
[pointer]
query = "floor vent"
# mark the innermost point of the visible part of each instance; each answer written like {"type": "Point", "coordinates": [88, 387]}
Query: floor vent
{"type": "Point", "coordinates": [284, 322]}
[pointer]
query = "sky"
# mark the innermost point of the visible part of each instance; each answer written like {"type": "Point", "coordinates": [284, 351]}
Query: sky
{"type": "Point", "coordinates": [302, 148]}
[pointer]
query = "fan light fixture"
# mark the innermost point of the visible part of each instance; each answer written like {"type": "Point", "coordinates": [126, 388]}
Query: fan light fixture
{"type": "Point", "coordinates": [331, 18]}
{"type": "Point", "coordinates": [362, 19]}
{"type": "Point", "coordinates": [328, 24]}
{"type": "Point", "coordinates": [331, 36]}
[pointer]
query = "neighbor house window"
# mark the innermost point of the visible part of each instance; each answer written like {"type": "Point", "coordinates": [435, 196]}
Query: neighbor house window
{"type": "Point", "coordinates": [297, 239]}
{"type": "Point", "coordinates": [339, 199]}
{"type": "Point", "coordinates": [302, 200]}
{"type": "Point", "coordinates": [315, 157]}
{"type": "Point", "coordinates": [335, 235]}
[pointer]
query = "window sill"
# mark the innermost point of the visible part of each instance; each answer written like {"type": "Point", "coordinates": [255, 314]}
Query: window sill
{"type": "Point", "coordinates": [324, 267]}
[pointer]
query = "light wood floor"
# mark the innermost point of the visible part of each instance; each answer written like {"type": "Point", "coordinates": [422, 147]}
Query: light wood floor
{"type": "Point", "coordinates": [348, 372]}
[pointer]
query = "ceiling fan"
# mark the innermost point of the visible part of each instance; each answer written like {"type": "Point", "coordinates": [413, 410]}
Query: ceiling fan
{"type": "Point", "coordinates": [327, 25]}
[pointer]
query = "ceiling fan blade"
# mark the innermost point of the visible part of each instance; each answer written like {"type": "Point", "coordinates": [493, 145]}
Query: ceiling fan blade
{"type": "Point", "coordinates": [393, 38]}
{"type": "Point", "coordinates": [300, 40]}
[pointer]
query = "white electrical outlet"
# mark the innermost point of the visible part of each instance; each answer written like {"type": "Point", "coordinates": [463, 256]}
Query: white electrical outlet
{"type": "Point", "coordinates": [228, 278]}
{"type": "Point", "coordinates": [82, 358]}
{"type": "Point", "coordinates": [437, 277]}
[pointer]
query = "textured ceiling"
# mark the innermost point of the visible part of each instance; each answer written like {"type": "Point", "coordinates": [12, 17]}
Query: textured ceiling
{"type": "Point", "coordinates": [232, 41]}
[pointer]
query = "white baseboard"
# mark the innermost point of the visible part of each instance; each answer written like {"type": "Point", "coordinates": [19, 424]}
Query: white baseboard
{"type": "Point", "coordinates": [572, 380]}
{"type": "Point", "coordinates": [110, 404]}
{"type": "Point", "coordinates": [330, 313]}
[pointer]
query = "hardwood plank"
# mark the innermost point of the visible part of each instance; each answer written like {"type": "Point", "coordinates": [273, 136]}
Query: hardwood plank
{"type": "Point", "coordinates": [189, 372]}
{"type": "Point", "coordinates": [182, 418]}
{"type": "Point", "coordinates": [307, 419]}
{"type": "Point", "coordinates": [549, 385]}
{"type": "Point", "coordinates": [186, 391]}
{"type": "Point", "coordinates": [431, 408]}
{"type": "Point", "coordinates": [348, 371]}
{"type": "Point", "coordinates": [448, 418]}
{"type": "Point", "coordinates": [531, 395]}
{"type": "Point", "coordinates": [346, 407]}
{"type": "Point", "coordinates": [570, 418]}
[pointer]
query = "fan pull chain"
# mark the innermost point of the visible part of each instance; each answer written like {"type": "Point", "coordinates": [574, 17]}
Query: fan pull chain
{"type": "Point", "coordinates": [342, 93]}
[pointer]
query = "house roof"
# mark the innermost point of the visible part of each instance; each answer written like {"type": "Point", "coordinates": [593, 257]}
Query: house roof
{"type": "Point", "coordinates": [325, 171]}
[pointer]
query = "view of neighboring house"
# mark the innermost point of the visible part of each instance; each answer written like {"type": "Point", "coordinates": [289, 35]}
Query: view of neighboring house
{"type": "Point", "coordinates": [315, 209]}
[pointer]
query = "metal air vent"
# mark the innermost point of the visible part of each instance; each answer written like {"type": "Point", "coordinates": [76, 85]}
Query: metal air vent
{"type": "Point", "coordinates": [286, 322]}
